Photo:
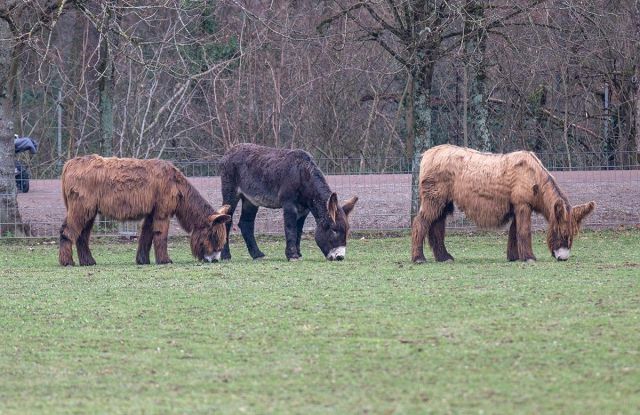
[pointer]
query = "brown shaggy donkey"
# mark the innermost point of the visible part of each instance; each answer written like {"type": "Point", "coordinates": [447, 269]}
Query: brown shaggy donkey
{"type": "Point", "coordinates": [492, 189]}
{"type": "Point", "coordinates": [131, 189]}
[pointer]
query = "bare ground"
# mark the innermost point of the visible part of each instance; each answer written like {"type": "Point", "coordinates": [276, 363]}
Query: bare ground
{"type": "Point", "coordinates": [384, 202]}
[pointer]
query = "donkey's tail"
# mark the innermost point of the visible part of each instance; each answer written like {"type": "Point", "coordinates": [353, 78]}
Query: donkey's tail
{"type": "Point", "coordinates": [64, 188]}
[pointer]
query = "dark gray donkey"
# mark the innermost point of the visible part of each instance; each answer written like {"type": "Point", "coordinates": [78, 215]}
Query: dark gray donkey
{"type": "Point", "coordinates": [287, 179]}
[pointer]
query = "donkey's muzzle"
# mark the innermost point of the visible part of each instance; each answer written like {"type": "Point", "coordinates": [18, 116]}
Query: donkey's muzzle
{"type": "Point", "coordinates": [215, 257]}
{"type": "Point", "coordinates": [562, 254]}
{"type": "Point", "coordinates": [337, 254]}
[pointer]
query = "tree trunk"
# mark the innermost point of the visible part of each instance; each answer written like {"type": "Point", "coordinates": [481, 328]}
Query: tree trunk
{"type": "Point", "coordinates": [106, 84]}
{"type": "Point", "coordinates": [636, 97]}
{"type": "Point", "coordinates": [637, 112]}
{"type": "Point", "coordinates": [565, 119]}
{"type": "Point", "coordinates": [74, 69]}
{"type": "Point", "coordinates": [422, 139]}
{"type": "Point", "coordinates": [475, 48]}
{"type": "Point", "coordinates": [10, 220]}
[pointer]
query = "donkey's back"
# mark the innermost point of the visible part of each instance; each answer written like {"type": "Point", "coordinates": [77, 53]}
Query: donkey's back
{"type": "Point", "coordinates": [262, 174]}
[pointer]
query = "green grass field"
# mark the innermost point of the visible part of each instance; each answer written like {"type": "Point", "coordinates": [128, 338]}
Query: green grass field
{"type": "Point", "coordinates": [371, 334]}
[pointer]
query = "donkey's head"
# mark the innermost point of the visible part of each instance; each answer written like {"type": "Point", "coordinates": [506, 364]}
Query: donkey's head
{"type": "Point", "coordinates": [563, 227]}
{"type": "Point", "coordinates": [331, 234]}
{"type": "Point", "coordinates": [208, 240]}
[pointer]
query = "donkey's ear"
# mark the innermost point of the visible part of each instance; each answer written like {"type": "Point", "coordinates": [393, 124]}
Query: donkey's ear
{"type": "Point", "coordinates": [560, 210]}
{"type": "Point", "coordinates": [224, 209]}
{"type": "Point", "coordinates": [217, 219]}
{"type": "Point", "coordinates": [582, 211]}
{"type": "Point", "coordinates": [349, 204]}
{"type": "Point", "coordinates": [332, 206]}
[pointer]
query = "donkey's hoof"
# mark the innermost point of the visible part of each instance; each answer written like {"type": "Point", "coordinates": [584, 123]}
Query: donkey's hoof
{"type": "Point", "coordinates": [259, 258]}
{"type": "Point", "coordinates": [419, 260]}
{"type": "Point", "coordinates": [295, 259]}
{"type": "Point", "coordinates": [530, 261]}
{"type": "Point", "coordinates": [445, 258]}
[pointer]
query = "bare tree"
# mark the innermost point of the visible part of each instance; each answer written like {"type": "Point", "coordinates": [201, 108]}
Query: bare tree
{"type": "Point", "coordinates": [10, 220]}
{"type": "Point", "coordinates": [15, 18]}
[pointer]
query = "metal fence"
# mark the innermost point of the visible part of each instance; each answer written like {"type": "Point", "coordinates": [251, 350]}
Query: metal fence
{"type": "Point", "coordinates": [384, 190]}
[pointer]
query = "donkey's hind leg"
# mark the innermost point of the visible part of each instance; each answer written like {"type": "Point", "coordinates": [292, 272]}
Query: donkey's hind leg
{"type": "Point", "coordinates": [82, 244]}
{"type": "Point", "coordinates": [419, 230]}
{"type": "Point", "coordinates": [144, 241]}
{"type": "Point", "coordinates": [73, 230]}
{"type": "Point", "coordinates": [436, 235]}
{"type": "Point", "coordinates": [247, 227]}
{"type": "Point", "coordinates": [431, 210]}
{"type": "Point", "coordinates": [68, 236]}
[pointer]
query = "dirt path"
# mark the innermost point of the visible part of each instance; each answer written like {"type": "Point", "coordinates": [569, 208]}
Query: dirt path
{"type": "Point", "coordinates": [384, 201]}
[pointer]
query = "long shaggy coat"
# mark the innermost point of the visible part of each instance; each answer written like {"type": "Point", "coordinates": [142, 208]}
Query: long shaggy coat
{"type": "Point", "coordinates": [132, 189]}
{"type": "Point", "coordinates": [492, 189]}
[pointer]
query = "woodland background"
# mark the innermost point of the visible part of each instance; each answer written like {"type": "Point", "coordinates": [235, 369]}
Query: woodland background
{"type": "Point", "coordinates": [368, 85]}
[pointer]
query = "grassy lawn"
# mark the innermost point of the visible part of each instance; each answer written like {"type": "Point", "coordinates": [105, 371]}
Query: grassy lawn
{"type": "Point", "coordinates": [371, 334]}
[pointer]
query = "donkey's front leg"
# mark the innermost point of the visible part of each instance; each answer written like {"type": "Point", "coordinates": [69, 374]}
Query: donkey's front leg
{"type": "Point", "coordinates": [229, 197]}
{"type": "Point", "coordinates": [160, 237]}
{"type": "Point", "coordinates": [291, 231]}
{"type": "Point", "coordinates": [144, 241]}
{"type": "Point", "coordinates": [523, 233]}
{"type": "Point", "coordinates": [299, 228]}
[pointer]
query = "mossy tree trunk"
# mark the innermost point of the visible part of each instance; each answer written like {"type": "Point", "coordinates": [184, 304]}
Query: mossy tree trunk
{"type": "Point", "coordinates": [106, 83]}
{"type": "Point", "coordinates": [421, 138]}
{"type": "Point", "coordinates": [475, 45]}
{"type": "Point", "coordinates": [10, 220]}
{"type": "Point", "coordinates": [636, 16]}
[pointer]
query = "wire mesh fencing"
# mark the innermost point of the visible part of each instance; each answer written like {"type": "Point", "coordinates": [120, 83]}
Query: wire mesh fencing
{"type": "Point", "coordinates": [383, 187]}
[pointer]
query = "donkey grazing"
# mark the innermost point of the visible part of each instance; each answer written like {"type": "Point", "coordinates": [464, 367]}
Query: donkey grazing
{"type": "Point", "coordinates": [130, 189]}
{"type": "Point", "coordinates": [287, 179]}
{"type": "Point", "coordinates": [492, 189]}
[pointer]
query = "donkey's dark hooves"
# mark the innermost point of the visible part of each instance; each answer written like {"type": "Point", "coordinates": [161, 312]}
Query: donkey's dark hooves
{"type": "Point", "coordinates": [447, 258]}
